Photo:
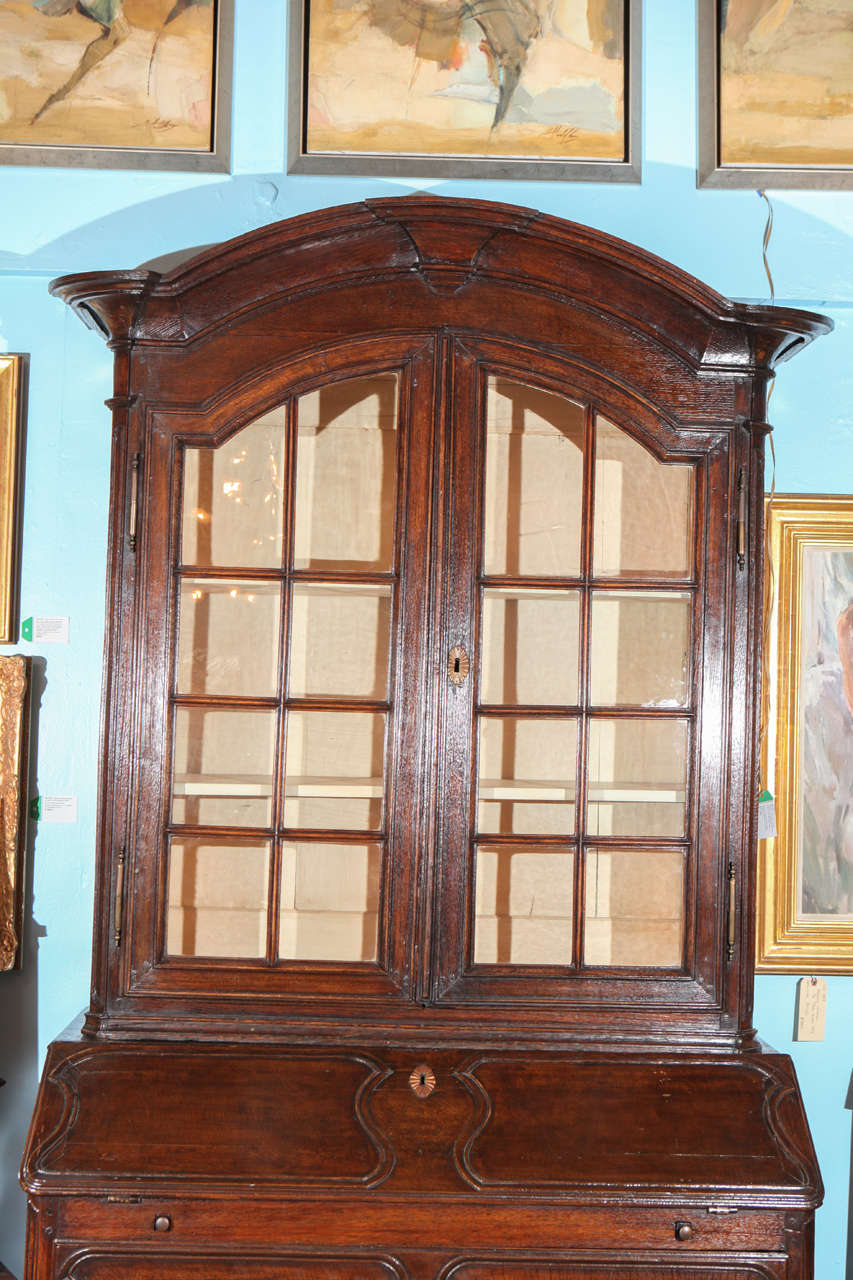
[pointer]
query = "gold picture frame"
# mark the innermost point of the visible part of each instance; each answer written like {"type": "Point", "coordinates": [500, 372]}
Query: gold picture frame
{"type": "Point", "coordinates": [805, 883]}
{"type": "Point", "coordinates": [12, 386]}
{"type": "Point", "coordinates": [14, 767]}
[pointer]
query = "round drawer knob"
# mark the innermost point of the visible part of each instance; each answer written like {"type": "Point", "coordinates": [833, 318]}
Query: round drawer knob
{"type": "Point", "coordinates": [684, 1231]}
{"type": "Point", "coordinates": [162, 1222]}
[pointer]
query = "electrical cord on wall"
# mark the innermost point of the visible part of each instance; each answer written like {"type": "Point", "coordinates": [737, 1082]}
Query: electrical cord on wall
{"type": "Point", "coordinates": [765, 244]}
{"type": "Point", "coordinates": [769, 567]}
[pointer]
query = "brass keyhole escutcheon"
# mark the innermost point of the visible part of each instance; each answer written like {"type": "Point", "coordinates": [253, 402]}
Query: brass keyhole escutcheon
{"type": "Point", "coordinates": [422, 1081]}
{"type": "Point", "coordinates": [458, 665]}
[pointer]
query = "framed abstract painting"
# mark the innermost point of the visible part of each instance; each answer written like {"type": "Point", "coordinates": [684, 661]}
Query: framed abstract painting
{"type": "Point", "coordinates": [466, 88]}
{"type": "Point", "coordinates": [776, 94]}
{"type": "Point", "coordinates": [805, 886]}
{"type": "Point", "coordinates": [118, 84]}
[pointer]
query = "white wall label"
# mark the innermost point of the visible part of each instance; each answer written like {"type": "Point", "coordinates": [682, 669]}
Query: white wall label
{"type": "Point", "coordinates": [811, 1009]}
{"type": "Point", "coordinates": [46, 630]}
{"type": "Point", "coordinates": [59, 808]}
{"type": "Point", "coordinates": [766, 816]}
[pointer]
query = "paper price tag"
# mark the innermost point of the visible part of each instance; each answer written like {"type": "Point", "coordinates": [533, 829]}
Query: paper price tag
{"type": "Point", "coordinates": [811, 1009]}
{"type": "Point", "coordinates": [46, 630]}
{"type": "Point", "coordinates": [766, 816]}
{"type": "Point", "coordinates": [58, 808]}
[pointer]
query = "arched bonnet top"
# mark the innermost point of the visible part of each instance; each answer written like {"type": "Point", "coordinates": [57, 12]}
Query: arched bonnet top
{"type": "Point", "coordinates": [422, 262]}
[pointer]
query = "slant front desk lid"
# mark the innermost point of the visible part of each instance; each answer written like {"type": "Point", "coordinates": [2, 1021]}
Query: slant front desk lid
{"type": "Point", "coordinates": [213, 1118]}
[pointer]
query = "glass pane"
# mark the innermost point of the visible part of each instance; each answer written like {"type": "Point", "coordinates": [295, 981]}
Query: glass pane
{"type": "Point", "coordinates": [335, 770]}
{"type": "Point", "coordinates": [228, 637]}
{"type": "Point", "coordinates": [346, 474]}
{"type": "Point", "coordinates": [330, 901]}
{"type": "Point", "coordinates": [523, 906]}
{"type": "Point", "coordinates": [217, 899]}
{"type": "Point", "coordinates": [640, 648]}
{"type": "Point", "coordinates": [527, 776]}
{"type": "Point", "coordinates": [534, 481]}
{"type": "Point", "coordinates": [232, 508]}
{"type": "Point", "coordinates": [643, 510]}
{"type": "Point", "coordinates": [637, 778]}
{"type": "Point", "coordinates": [530, 647]}
{"type": "Point", "coordinates": [223, 767]}
{"type": "Point", "coordinates": [339, 638]}
{"type": "Point", "coordinates": [634, 908]}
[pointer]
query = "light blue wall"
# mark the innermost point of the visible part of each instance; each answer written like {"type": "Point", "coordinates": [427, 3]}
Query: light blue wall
{"type": "Point", "coordinates": [55, 221]}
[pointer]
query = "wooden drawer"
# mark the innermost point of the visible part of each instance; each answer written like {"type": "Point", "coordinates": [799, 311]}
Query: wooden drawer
{"type": "Point", "coordinates": [456, 1225]}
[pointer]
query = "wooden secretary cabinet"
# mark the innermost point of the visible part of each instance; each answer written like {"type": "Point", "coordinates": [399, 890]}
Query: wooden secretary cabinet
{"type": "Point", "coordinates": [424, 913]}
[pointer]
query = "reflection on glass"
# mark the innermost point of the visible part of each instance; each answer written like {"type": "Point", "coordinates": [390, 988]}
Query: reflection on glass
{"type": "Point", "coordinates": [634, 911]}
{"type": "Point", "coordinates": [232, 498]}
{"type": "Point", "coordinates": [346, 475]}
{"type": "Point", "coordinates": [643, 510]}
{"type": "Point", "coordinates": [640, 648]}
{"type": "Point", "coordinates": [637, 777]}
{"type": "Point", "coordinates": [335, 767]}
{"type": "Point", "coordinates": [223, 765]}
{"type": "Point", "coordinates": [534, 481]}
{"type": "Point", "coordinates": [228, 637]}
{"type": "Point", "coordinates": [329, 901]}
{"type": "Point", "coordinates": [217, 899]}
{"type": "Point", "coordinates": [523, 906]}
{"type": "Point", "coordinates": [530, 647]}
{"type": "Point", "coordinates": [527, 776]}
{"type": "Point", "coordinates": [339, 637]}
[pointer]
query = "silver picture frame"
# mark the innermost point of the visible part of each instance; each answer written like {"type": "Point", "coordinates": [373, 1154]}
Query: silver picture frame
{"type": "Point", "coordinates": [710, 171]}
{"type": "Point", "coordinates": [216, 159]}
{"type": "Point", "coordinates": [394, 165]}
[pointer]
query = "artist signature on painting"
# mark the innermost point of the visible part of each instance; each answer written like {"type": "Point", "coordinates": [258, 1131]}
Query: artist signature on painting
{"type": "Point", "coordinates": [563, 132]}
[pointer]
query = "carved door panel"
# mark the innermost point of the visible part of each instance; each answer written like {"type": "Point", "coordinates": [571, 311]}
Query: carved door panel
{"type": "Point", "coordinates": [772, 1269]}
{"type": "Point", "coordinates": [151, 1267]}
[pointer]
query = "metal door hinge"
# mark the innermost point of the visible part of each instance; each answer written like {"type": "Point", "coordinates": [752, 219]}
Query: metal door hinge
{"type": "Point", "coordinates": [741, 518]}
{"type": "Point", "coordinates": [730, 944]}
{"type": "Point", "coordinates": [134, 500]}
{"type": "Point", "coordinates": [118, 906]}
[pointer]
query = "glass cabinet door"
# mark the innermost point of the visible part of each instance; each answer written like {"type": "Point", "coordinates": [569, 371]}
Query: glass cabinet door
{"type": "Point", "coordinates": [583, 705]}
{"type": "Point", "coordinates": [287, 602]}
{"type": "Point", "coordinates": [323, 749]}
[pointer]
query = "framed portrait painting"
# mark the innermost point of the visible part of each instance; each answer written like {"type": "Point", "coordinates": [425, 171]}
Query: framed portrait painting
{"type": "Point", "coordinates": [805, 882]}
{"type": "Point", "coordinates": [776, 93]}
{"type": "Point", "coordinates": [119, 84]}
{"type": "Point", "coordinates": [466, 88]}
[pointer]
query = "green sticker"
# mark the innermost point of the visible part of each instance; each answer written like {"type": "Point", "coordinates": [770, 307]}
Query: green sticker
{"type": "Point", "coordinates": [35, 809]}
{"type": "Point", "coordinates": [765, 795]}
{"type": "Point", "coordinates": [27, 628]}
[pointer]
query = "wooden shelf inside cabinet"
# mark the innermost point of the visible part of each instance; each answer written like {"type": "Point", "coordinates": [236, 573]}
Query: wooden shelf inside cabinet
{"type": "Point", "coordinates": [610, 793]}
{"type": "Point", "coordinates": [372, 788]}
{"type": "Point", "coordinates": [423, 948]}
